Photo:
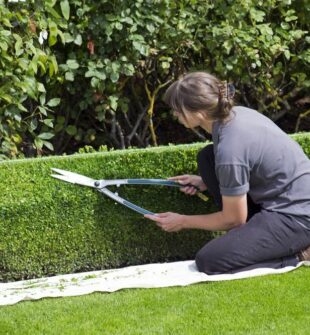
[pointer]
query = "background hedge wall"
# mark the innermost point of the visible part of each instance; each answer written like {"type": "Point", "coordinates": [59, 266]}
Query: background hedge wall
{"type": "Point", "coordinates": [49, 227]}
{"type": "Point", "coordinates": [76, 73]}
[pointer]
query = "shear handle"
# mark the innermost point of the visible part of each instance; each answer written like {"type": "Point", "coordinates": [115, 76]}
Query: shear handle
{"type": "Point", "coordinates": [124, 202]}
{"type": "Point", "coordinates": [162, 182]}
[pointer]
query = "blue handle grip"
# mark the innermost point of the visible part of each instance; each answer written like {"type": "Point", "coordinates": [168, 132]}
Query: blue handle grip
{"type": "Point", "coordinates": [137, 208]}
{"type": "Point", "coordinates": [161, 182]}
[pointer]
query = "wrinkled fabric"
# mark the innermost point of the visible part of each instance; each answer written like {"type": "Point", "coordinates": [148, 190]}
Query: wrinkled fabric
{"type": "Point", "coordinates": [141, 276]}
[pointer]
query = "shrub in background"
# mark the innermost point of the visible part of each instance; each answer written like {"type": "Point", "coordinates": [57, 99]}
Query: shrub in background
{"type": "Point", "coordinates": [76, 73]}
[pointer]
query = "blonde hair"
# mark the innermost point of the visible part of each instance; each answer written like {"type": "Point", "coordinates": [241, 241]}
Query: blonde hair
{"type": "Point", "coordinates": [201, 91]}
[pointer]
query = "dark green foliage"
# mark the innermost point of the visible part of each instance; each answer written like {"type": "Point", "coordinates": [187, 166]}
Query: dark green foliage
{"type": "Point", "coordinates": [94, 80]}
{"type": "Point", "coordinates": [49, 226]}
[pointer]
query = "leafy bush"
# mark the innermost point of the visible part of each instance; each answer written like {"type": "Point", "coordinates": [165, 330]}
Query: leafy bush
{"type": "Point", "coordinates": [78, 73]}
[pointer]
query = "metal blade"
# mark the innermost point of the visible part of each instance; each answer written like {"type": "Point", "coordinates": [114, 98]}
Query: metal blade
{"type": "Point", "coordinates": [73, 178]}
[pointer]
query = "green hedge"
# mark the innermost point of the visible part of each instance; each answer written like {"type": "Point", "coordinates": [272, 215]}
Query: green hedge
{"type": "Point", "coordinates": [49, 227]}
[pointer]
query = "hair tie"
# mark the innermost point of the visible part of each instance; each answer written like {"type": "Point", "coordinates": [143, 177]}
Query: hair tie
{"type": "Point", "coordinates": [222, 90]}
{"type": "Point", "coordinates": [230, 91]}
{"type": "Point", "coordinates": [226, 90]}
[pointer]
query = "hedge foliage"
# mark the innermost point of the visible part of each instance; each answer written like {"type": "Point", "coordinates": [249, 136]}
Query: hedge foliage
{"type": "Point", "coordinates": [48, 226]}
{"type": "Point", "coordinates": [76, 73]}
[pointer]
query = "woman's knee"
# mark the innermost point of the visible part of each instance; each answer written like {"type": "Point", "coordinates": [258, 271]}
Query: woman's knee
{"type": "Point", "coordinates": [206, 261]}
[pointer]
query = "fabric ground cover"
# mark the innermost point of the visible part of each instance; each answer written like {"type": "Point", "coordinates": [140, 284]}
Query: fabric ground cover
{"type": "Point", "coordinates": [262, 305]}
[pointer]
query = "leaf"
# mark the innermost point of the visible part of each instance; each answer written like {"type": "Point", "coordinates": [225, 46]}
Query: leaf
{"type": "Point", "coordinates": [118, 26]}
{"type": "Point", "coordinates": [38, 143]}
{"type": "Point", "coordinates": [297, 34]}
{"type": "Point", "coordinates": [52, 40]}
{"type": "Point", "coordinates": [49, 145]}
{"type": "Point", "coordinates": [43, 68]}
{"type": "Point", "coordinates": [113, 102]}
{"type": "Point", "coordinates": [72, 64]}
{"type": "Point", "coordinates": [3, 46]}
{"type": "Point", "coordinates": [43, 110]}
{"type": "Point", "coordinates": [48, 122]}
{"type": "Point", "coordinates": [265, 29]}
{"type": "Point", "coordinates": [291, 18]}
{"type": "Point", "coordinates": [62, 37]}
{"type": "Point", "coordinates": [94, 82]}
{"type": "Point", "coordinates": [71, 130]}
{"type": "Point", "coordinates": [78, 40]}
{"type": "Point", "coordinates": [65, 9]}
{"type": "Point", "coordinates": [127, 20]}
{"type": "Point", "coordinates": [287, 54]}
{"type": "Point", "coordinates": [18, 47]}
{"type": "Point", "coordinates": [6, 33]}
{"type": "Point", "coordinates": [42, 99]}
{"type": "Point", "coordinates": [51, 3]}
{"type": "Point", "coordinates": [115, 66]}
{"type": "Point", "coordinates": [165, 65]}
{"type": "Point", "coordinates": [128, 69]}
{"type": "Point", "coordinates": [33, 65]}
{"type": "Point", "coordinates": [17, 117]}
{"type": "Point", "coordinates": [257, 15]}
{"type": "Point", "coordinates": [114, 77]}
{"type": "Point", "coordinates": [150, 28]}
{"type": "Point", "coordinates": [69, 76]}
{"type": "Point", "coordinates": [41, 88]}
{"type": "Point", "coordinates": [6, 22]}
{"type": "Point", "coordinates": [68, 38]}
{"type": "Point", "coordinates": [54, 102]}
{"type": "Point", "coordinates": [89, 73]}
{"type": "Point", "coordinates": [46, 136]}
{"type": "Point", "coordinates": [55, 65]}
{"type": "Point", "coordinates": [22, 108]}
{"type": "Point", "coordinates": [33, 125]}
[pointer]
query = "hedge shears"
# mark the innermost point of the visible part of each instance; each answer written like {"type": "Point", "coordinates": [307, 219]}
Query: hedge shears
{"type": "Point", "coordinates": [102, 184]}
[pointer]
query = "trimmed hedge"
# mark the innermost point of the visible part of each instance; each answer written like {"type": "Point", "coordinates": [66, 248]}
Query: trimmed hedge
{"type": "Point", "coordinates": [49, 227]}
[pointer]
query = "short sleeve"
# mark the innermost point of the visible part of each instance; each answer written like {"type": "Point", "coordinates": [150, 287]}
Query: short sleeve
{"type": "Point", "coordinates": [233, 179]}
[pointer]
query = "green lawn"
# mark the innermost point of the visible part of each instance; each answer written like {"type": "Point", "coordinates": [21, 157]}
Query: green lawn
{"type": "Point", "coordinates": [263, 305]}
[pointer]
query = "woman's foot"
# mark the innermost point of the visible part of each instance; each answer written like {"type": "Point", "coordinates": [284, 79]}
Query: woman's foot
{"type": "Point", "coordinates": [304, 255]}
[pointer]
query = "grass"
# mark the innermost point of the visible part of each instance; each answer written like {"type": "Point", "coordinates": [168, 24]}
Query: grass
{"type": "Point", "coordinates": [263, 305]}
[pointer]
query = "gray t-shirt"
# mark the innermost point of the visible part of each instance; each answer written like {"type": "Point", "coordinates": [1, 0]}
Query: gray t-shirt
{"type": "Point", "coordinates": [253, 155]}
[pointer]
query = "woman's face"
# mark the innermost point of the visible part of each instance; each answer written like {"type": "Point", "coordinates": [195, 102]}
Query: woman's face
{"type": "Point", "coordinates": [188, 119]}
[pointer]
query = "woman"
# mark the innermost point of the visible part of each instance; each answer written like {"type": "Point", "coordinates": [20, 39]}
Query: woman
{"type": "Point", "coordinates": [258, 176]}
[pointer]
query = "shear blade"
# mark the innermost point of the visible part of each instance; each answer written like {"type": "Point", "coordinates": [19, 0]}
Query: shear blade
{"type": "Point", "coordinates": [73, 178]}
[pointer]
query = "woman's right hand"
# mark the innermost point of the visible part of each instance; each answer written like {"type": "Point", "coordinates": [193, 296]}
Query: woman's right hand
{"type": "Point", "coordinates": [190, 179]}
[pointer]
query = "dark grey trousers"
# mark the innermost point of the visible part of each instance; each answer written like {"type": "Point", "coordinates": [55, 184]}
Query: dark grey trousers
{"type": "Point", "coordinates": [268, 239]}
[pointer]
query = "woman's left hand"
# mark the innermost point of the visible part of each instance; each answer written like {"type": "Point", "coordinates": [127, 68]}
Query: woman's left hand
{"type": "Point", "coordinates": [170, 222]}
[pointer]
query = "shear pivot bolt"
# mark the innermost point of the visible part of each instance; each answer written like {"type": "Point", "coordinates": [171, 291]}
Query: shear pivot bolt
{"type": "Point", "coordinates": [97, 183]}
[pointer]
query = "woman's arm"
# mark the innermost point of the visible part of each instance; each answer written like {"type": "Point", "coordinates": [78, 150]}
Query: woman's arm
{"type": "Point", "coordinates": [234, 214]}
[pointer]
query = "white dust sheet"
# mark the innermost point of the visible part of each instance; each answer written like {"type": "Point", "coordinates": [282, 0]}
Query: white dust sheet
{"type": "Point", "coordinates": [141, 276]}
